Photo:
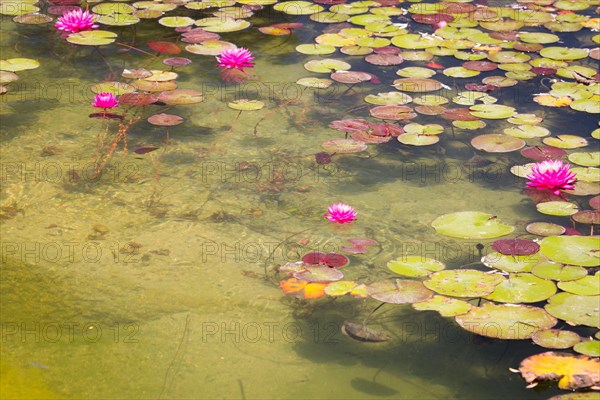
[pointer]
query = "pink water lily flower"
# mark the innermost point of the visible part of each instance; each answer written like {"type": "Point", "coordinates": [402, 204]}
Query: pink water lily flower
{"type": "Point", "coordinates": [76, 21]}
{"type": "Point", "coordinates": [341, 213]}
{"type": "Point", "coordinates": [551, 175]}
{"type": "Point", "coordinates": [235, 58]}
{"type": "Point", "coordinates": [105, 100]}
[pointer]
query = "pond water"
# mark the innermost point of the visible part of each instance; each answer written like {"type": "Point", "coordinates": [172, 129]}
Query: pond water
{"type": "Point", "coordinates": [158, 277]}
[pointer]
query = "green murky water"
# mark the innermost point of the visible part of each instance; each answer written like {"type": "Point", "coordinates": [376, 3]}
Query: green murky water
{"type": "Point", "coordinates": [156, 279]}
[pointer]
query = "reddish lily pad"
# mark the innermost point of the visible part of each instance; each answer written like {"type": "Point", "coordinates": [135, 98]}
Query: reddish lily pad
{"type": "Point", "coordinates": [165, 119]}
{"type": "Point", "coordinates": [138, 99]}
{"type": "Point", "coordinates": [497, 143]}
{"type": "Point", "coordinates": [351, 125]}
{"type": "Point", "coordinates": [181, 96]}
{"type": "Point", "coordinates": [541, 153]}
{"type": "Point", "coordinates": [393, 112]}
{"type": "Point", "coordinates": [573, 372]}
{"type": "Point", "coordinates": [344, 146]}
{"type": "Point", "coordinates": [333, 260]}
{"type": "Point", "coordinates": [516, 247]}
{"type": "Point", "coordinates": [399, 291]}
{"type": "Point", "coordinates": [168, 48]}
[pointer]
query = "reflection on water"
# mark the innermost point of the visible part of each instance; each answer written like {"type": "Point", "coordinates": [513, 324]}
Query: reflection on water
{"type": "Point", "coordinates": [156, 278]}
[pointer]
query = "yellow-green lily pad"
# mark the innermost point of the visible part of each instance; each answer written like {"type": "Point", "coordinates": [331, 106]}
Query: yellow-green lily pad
{"type": "Point", "coordinates": [522, 288]}
{"type": "Point", "coordinates": [415, 266]}
{"type": "Point", "coordinates": [471, 225]}
{"type": "Point", "coordinates": [586, 286]}
{"type": "Point", "coordinates": [446, 306]}
{"type": "Point", "coordinates": [589, 348]}
{"type": "Point", "coordinates": [18, 64]}
{"type": "Point", "coordinates": [463, 282]}
{"type": "Point", "coordinates": [573, 250]}
{"type": "Point", "coordinates": [92, 38]}
{"type": "Point", "coordinates": [556, 338]}
{"type": "Point", "coordinates": [558, 208]}
{"type": "Point", "coordinates": [575, 309]}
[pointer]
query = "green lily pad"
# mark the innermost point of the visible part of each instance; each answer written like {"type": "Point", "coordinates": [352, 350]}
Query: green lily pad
{"type": "Point", "coordinates": [469, 98]}
{"type": "Point", "coordinates": [558, 208]}
{"type": "Point", "coordinates": [492, 111]}
{"type": "Point", "coordinates": [113, 8]}
{"type": "Point", "coordinates": [415, 72]}
{"type": "Point", "coordinates": [388, 99]}
{"type": "Point", "coordinates": [18, 64]}
{"type": "Point", "coordinates": [559, 272]}
{"type": "Point", "coordinates": [469, 125]}
{"type": "Point", "coordinates": [522, 288]}
{"type": "Point", "coordinates": [222, 25]}
{"type": "Point", "coordinates": [354, 50]}
{"type": "Point", "coordinates": [586, 286]}
{"type": "Point", "coordinates": [210, 47]}
{"type": "Point", "coordinates": [414, 139]}
{"type": "Point", "coordinates": [92, 38]}
{"type": "Point", "coordinates": [506, 321]}
{"type": "Point", "coordinates": [512, 263]}
{"type": "Point", "coordinates": [563, 53]}
{"type": "Point", "coordinates": [527, 131]}
{"type": "Point", "coordinates": [589, 174]}
{"type": "Point", "coordinates": [399, 291]}
{"type": "Point", "coordinates": [460, 72]}
{"type": "Point", "coordinates": [538, 37]}
{"type": "Point", "coordinates": [431, 100]}
{"type": "Point", "coordinates": [471, 225]}
{"type": "Point", "coordinates": [429, 129]}
{"type": "Point", "coordinates": [556, 339]}
{"type": "Point", "coordinates": [318, 83]}
{"type": "Point", "coordinates": [573, 250]}
{"type": "Point", "coordinates": [298, 7]}
{"type": "Point", "coordinates": [246, 105]}
{"type": "Point", "coordinates": [545, 229]}
{"type": "Point", "coordinates": [415, 41]}
{"type": "Point", "coordinates": [503, 57]}
{"type": "Point", "coordinates": [315, 49]}
{"type": "Point", "coordinates": [525, 119]}
{"type": "Point", "coordinates": [591, 106]}
{"type": "Point", "coordinates": [575, 309]}
{"type": "Point", "coordinates": [340, 288]}
{"type": "Point", "coordinates": [417, 85]}
{"type": "Point", "coordinates": [117, 19]}
{"type": "Point", "coordinates": [415, 266]}
{"type": "Point", "coordinates": [326, 65]}
{"type": "Point", "coordinates": [175, 22]}
{"type": "Point", "coordinates": [446, 306]}
{"type": "Point", "coordinates": [589, 348]}
{"type": "Point", "coordinates": [328, 17]}
{"type": "Point", "coordinates": [566, 141]}
{"type": "Point", "coordinates": [463, 282]}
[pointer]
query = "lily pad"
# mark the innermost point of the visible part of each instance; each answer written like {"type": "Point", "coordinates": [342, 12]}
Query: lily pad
{"type": "Point", "coordinates": [393, 112]}
{"type": "Point", "coordinates": [18, 64]}
{"type": "Point", "coordinates": [587, 159]}
{"type": "Point", "coordinates": [516, 247]}
{"type": "Point", "coordinates": [326, 65]}
{"type": "Point", "coordinates": [558, 208]}
{"type": "Point", "coordinates": [399, 291]}
{"type": "Point", "coordinates": [210, 47]}
{"type": "Point", "coordinates": [559, 272]}
{"type": "Point", "coordinates": [575, 309]}
{"type": "Point", "coordinates": [510, 263]}
{"type": "Point", "coordinates": [563, 53]}
{"type": "Point", "coordinates": [556, 339]}
{"type": "Point", "coordinates": [545, 229]}
{"type": "Point", "coordinates": [587, 217]}
{"type": "Point", "coordinates": [344, 146]}
{"type": "Point", "coordinates": [417, 85]}
{"type": "Point", "coordinates": [317, 83]}
{"type": "Point", "coordinates": [522, 288]}
{"type": "Point", "coordinates": [92, 38]}
{"type": "Point", "coordinates": [566, 141]}
{"type": "Point", "coordinates": [415, 266]}
{"type": "Point", "coordinates": [181, 96]}
{"type": "Point", "coordinates": [165, 119]}
{"type": "Point", "coordinates": [589, 348]}
{"type": "Point", "coordinates": [463, 282]}
{"type": "Point", "coordinates": [506, 321]}
{"type": "Point", "coordinates": [471, 225]}
{"type": "Point", "coordinates": [497, 143]}
{"type": "Point", "coordinates": [586, 286]}
{"type": "Point", "coordinates": [319, 273]}
{"type": "Point", "coordinates": [446, 306]}
{"type": "Point", "coordinates": [573, 250]}
{"type": "Point", "coordinates": [573, 372]}
{"type": "Point", "coordinates": [492, 111]}
{"type": "Point", "coordinates": [388, 99]}
{"type": "Point", "coordinates": [246, 105]}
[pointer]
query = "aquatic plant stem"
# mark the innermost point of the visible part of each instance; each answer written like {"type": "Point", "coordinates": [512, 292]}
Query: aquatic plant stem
{"type": "Point", "coordinates": [184, 337]}
{"type": "Point", "coordinates": [267, 115]}
{"type": "Point", "coordinates": [135, 48]}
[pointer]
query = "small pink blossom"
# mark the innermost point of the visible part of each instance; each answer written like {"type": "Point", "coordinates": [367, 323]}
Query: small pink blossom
{"type": "Point", "coordinates": [105, 100]}
{"type": "Point", "coordinates": [235, 58]}
{"type": "Point", "coordinates": [76, 21]}
{"type": "Point", "coordinates": [551, 175]}
{"type": "Point", "coordinates": [340, 213]}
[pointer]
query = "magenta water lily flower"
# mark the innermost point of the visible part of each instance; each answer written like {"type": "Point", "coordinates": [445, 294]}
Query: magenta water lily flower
{"type": "Point", "coordinates": [239, 58]}
{"type": "Point", "coordinates": [341, 213]}
{"type": "Point", "coordinates": [105, 100]}
{"type": "Point", "coordinates": [551, 175]}
{"type": "Point", "coordinates": [76, 21]}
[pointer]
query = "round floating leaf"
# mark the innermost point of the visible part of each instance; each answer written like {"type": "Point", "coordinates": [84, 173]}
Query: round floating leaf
{"type": "Point", "coordinates": [545, 229]}
{"type": "Point", "coordinates": [463, 282]}
{"type": "Point", "coordinates": [140, 73]}
{"type": "Point", "coordinates": [469, 125]}
{"type": "Point", "coordinates": [589, 348]}
{"type": "Point", "coordinates": [317, 83]}
{"type": "Point", "coordinates": [319, 273]}
{"type": "Point", "coordinates": [344, 146]}
{"type": "Point", "coordinates": [414, 139]}
{"type": "Point", "coordinates": [112, 8]}
{"type": "Point", "coordinates": [429, 129]}
{"type": "Point", "coordinates": [315, 49]}
{"type": "Point", "coordinates": [555, 339]}
{"type": "Point", "coordinates": [541, 153]}
{"type": "Point", "coordinates": [446, 306]}
{"type": "Point", "coordinates": [497, 143]}
{"type": "Point", "coordinates": [161, 76]}
{"type": "Point", "coordinates": [32, 19]}
{"type": "Point", "coordinates": [586, 286]}
{"type": "Point", "coordinates": [558, 208]}
{"type": "Point", "coordinates": [147, 86]}
{"type": "Point", "coordinates": [506, 321]}
{"type": "Point", "coordinates": [181, 96]}
{"type": "Point", "coordinates": [210, 47]}
{"type": "Point", "coordinates": [527, 131]}
{"type": "Point", "coordinates": [165, 119]}
{"type": "Point", "coordinates": [492, 111]}
{"type": "Point", "coordinates": [566, 141]}
{"type": "Point", "coordinates": [7, 77]}
{"type": "Point", "coordinates": [246, 105]}
{"type": "Point", "coordinates": [415, 41]}
{"type": "Point", "coordinates": [471, 225]}
{"type": "Point", "coordinates": [510, 263]}
{"type": "Point", "coordinates": [399, 291]}
{"type": "Point", "coordinates": [92, 38]}
{"type": "Point", "coordinates": [414, 266]}
{"type": "Point", "coordinates": [573, 372]}
{"type": "Point", "coordinates": [417, 85]}
{"type": "Point", "coordinates": [384, 59]}
{"type": "Point", "coordinates": [522, 288]}
{"type": "Point", "coordinates": [177, 61]}
{"type": "Point", "coordinates": [340, 288]}
{"type": "Point", "coordinates": [589, 174]}
{"type": "Point", "coordinates": [356, 50]}
{"type": "Point", "coordinates": [563, 53]}
{"type": "Point", "coordinates": [220, 24]}
{"type": "Point", "coordinates": [587, 217]}
{"type": "Point", "coordinates": [574, 250]}
{"type": "Point", "coordinates": [516, 247]}
{"type": "Point", "coordinates": [326, 65]}
{"type": "Point", "coordinates": [118, 19]}
{"type": "Point", "coordinates": [558, 272]}
{"type": "Point", "coordinates": [351, 77]}
{"type": "Point", "coordinates": [298, 7]}
{"type": "Point", "coordinates": [394, 113]}
{"type": "Point", "coordinates": [588, 159]}
{"type": "Point", "coordinates": [415, 72]}
{"type": "Point", "coordinates": [388, 99]}
{"type": "Point", "coordinates": [18, 64]}
{"type": "Point", "coordinates": [575, 309]}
